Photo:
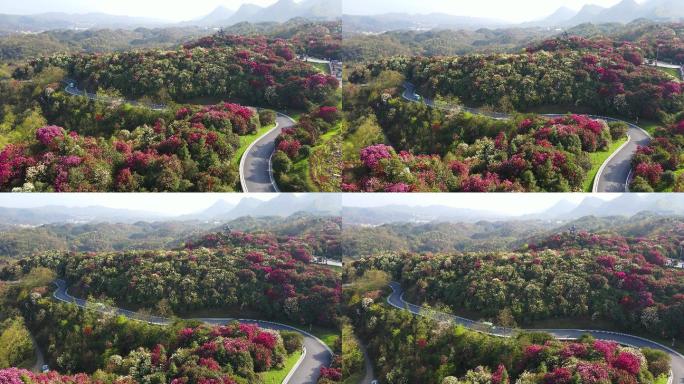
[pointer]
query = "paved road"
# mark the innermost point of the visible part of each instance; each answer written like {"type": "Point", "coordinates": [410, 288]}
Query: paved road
{"type": "Point", "coordinates": [615, 173]}
{"type": "Point", "coordinates": [331, 262]}
{"type": "Point", "coordinates": [256, 174]}
{"type": "Point", "coordinates": [317, 353]}
{"type": "Point", "coordinates": [396, 299]}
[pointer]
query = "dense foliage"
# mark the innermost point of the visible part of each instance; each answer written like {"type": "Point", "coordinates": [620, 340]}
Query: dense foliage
{"type": "Point", "coordinates": [440, 42]}
{"type": "Point", "coordinates": [597, 75]}
{"type": "Point", "coordinates": [192, 151]}
{"type": "Point", "coordinates": [361, 241]}
{"type": "Point", "coordinates": [17, 47]}
{"type": "Point", "coordinates": [297, 37]}
{"type": "Point", "coordinates": [433, 151]}
{"type": "Point", "coordinates": [302, 146]}
{"type": "Point", "coordinates": [112, 347]}
{"type": "Point", "coordinates": [407, 348]}
{"type": "Point", "coordinates": [624, 281]}
{"type": "Point", "coordinates": [264, 74]}
{"type": "Point", "coordinates": [658, 166]}
{"type": "Point", "coordinates": [224, 271]}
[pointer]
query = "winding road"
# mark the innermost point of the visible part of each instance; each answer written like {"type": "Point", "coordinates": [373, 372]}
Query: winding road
{"type": "Point", "coordinates": [256, 172]}
{"type": "Point", "coordinates": [396, 299]}
{"type": "Point", "coordinates": [615, 173]}
{"type": "Point", "coordinates": [316, 353]}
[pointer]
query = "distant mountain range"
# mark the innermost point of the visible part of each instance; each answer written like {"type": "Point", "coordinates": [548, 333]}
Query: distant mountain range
{"type": "Point", "coordinates": [624, 12]}
{"type": "Point", "coordinates": [281, 11]}
{"type": "Point", "coordinates": [282, 206]}
{"type": "Point", "coordinates": [626, 205]}
{"type": "Point", "coordinates": [405, 21]}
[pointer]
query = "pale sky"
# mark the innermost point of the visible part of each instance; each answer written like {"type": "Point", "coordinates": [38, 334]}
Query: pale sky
{"type": "Point", "coordinates": [508, 10]}
{"type": "Point", "coordinates": [173, 10]}
{"type": "Point", "coordinates": [169, 204]}
{"type": "Point", "coordinates": [507, 203]}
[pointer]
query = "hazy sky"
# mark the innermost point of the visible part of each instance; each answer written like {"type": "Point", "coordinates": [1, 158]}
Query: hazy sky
{"type": "Point", "coordinates": [175, 10]}
{"type": "Point", "coordinates": [509, 203]}
{"type": "Point", "coordinates": [510, 10]}
{"type": "Point", "coordinates": [171, 204]}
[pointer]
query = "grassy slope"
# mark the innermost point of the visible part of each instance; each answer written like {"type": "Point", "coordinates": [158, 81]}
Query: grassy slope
{"type": "Point", "coordinates": [671, 71]}
{"type": "Point", "coordinates": [324, 68]}
{"type": "Point", "coordinates": [597, 159]}
{"type": "Point", "coordinates": [276, 376]}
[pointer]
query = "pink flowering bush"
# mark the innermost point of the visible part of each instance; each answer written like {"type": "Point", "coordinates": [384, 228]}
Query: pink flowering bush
{"type": "Point", "coordinates": [371, 156]}
{"type": "Point", "coordinates": [537, 154]}
{"type": "Point", "coordinates": [192, 153]}
{"type": "Point", "coordinates": [46, 135]}
{"type": "Point", "coordinates": [628, 362]}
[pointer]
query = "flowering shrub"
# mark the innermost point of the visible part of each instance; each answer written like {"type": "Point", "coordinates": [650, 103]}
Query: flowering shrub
{"type": "Point", "coordinates": [623, 280]}
{"type": "Point", "coordinates": [334, 374]}
{"type": "Point", "coordinates": [224, 270]}
{"type": "Point", "coordinates": [371, 156]}
{"type": "Point", "coordinates": [538, 154]}
{"type": "Point", "coordinates": [628, 362]}
{"type": "Point", "coordinates": [302, 143]}
{"type": "Point", "coordinates": [47, 134]}
{"type": "Point", "coordinates": [191, 153]}
{"type": "Point", "coordinates": [254, 70]}
{"type": "Point", "coordinates": [455, 351]}
{"type": "Point", "coordinates": [211, 354]}
{"type": "Point", "coordinates": [655, 164]}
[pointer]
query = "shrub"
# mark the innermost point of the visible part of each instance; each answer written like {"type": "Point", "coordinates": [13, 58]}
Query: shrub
{"type": "Point", "coordinates": [618, 130]}
{"type": "Point", "coordinates": [281, 162]}
{"type": "Point", "coordinates": [292, 341]}
{"type": "Point", "coordinates": [267, 117]}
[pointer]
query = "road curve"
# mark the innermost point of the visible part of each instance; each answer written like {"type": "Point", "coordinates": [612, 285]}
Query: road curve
{"type": "Point", "coordinates": [318, 354]}
{"type": "Point", "coordinates": [256, 173]}
{"type": "Point", "coordinates": [396, 299]}
{"type": "Point", "coordinates": [613, 176]}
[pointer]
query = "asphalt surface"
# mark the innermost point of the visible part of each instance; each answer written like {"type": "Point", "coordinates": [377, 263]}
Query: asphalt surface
{"type": "Point", "coordinates": [616, 171]}
{"type": "Point", "coordinates": [317, 353]}
{"type": "Point", "coordinates": [256, 175]}
{"type": "Point", "coordinates": [396, 299]}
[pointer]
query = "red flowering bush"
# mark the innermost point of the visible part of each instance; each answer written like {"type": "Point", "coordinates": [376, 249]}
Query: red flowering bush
{"type": "Point", "coordinates": [47, 134]}
{"type": "Point", "coordinates": [334, 374]}
{"type": "Point", "coordinates": [191, 153]}
{"type": "Point", "coordinates": [650, 172]}
{"type": "Point", "coordinates": [628, 362]}
{"type": "Point", "coordinates": [290, 147]}
{"type": "Point", "coordinates": [371, 156]}
{"type": "Point", "coordinates": [558, 376]}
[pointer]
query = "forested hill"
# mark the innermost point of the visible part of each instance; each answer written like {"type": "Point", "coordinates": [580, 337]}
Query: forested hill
{"type": "Point", "coordinates": [19, 241]}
